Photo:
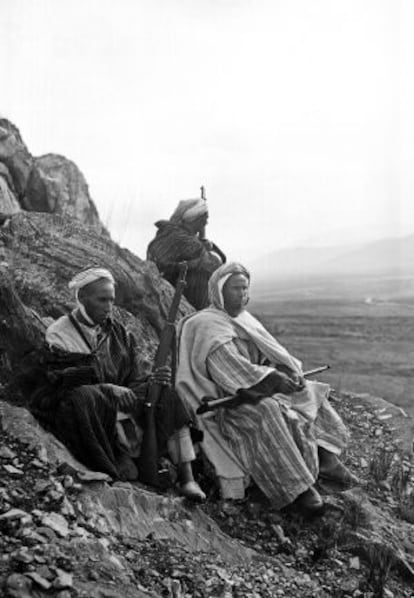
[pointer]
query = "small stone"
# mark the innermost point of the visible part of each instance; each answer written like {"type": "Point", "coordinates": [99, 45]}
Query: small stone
{"type": "Point", "coordinates": [364, 463]}
{"type": "Point", "coordinates": [23, 556]}
{"type": "Point", "coordinates": [55, 496]}
{"type": "Point", "coordinates": [93, 476]}
{"type": "Point", "coordinates": [354, 563]}
{"type": "Point", "coordinates": [42, 454]}
{"type": "Point", "coordinates": [36, 463]}
{"type": "Point", "coordinates": [68, 481]}
{"type": "Point", "coordinates": [57, 523]}
{"type": "Point", "coordinates": [66, 508]}
{"type": "Point", "coordinates": [47, 532]}
{"type": "Point", "coordinates": [63, 580]}
{"type": "Point", "coordinates": [13, 471]}
{"type": "Point", "coordinates": [37, 513]}
{"type": "Point", "coordinates": [350, 585]}
{"type": "Point", "coordinates": [18, 586]}
{"type": "Point", "coordinates": [41, 486]}
{"type": "Point", "coordinates": [45, 572]}
{"type": "Point", "coordinates": [39, 580]}
{"type": "Point", "coordinates": [14, 514]}
{"type": "Point", "coordinates": [7, 453]}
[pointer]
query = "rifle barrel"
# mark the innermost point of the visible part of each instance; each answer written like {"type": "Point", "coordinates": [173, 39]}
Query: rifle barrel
{"type": "Point", "coordinates": [210, 405]}
{"type": "Point", "coordinates": [323, 368]}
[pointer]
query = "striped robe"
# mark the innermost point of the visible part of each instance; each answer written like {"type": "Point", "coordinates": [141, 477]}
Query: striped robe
{"type": "Point", "coordinates": [174, 244]}
{"type": "Point", "coordinates": [275, 441]}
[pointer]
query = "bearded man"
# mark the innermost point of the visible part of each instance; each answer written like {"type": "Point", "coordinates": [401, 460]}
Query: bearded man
{"type": "Point", "coordinates": [179, 239]}
{"type": "Point", "coordinates": [282, 431]}
{"type": "Point", "coordinates": [96, 404]}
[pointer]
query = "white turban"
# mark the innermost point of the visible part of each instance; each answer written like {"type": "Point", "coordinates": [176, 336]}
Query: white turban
{"type": "Point", "coordinates": [219, 278]}
{"type": "Point", "coordinates": [188, 210]}
{"type": "Point", "coordinates": [84, 277]}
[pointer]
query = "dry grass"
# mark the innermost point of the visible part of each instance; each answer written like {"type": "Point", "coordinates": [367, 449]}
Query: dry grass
{"type": "Point", "coordinates": [401, 478]}
{"type": "Point", "coordinates": [380, 464]}
{"type": "Point", "coordinates": [380, 561]}
{"type": "Point", "coordinates": [355, 514]}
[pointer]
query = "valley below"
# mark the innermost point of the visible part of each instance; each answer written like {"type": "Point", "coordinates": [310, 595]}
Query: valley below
{"type": "Point", "coordinates": [368, 343]}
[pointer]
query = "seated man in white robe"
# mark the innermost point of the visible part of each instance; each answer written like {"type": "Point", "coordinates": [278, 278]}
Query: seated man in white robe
{"type": "Point", "coordinates": [287, 435]}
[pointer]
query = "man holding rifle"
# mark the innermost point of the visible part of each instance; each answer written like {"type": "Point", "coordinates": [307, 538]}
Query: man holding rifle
{"type": "Point", "coordinates": [181, 238]}
{"type": "Point", "coordinates": [94, 397]}
{"type": "Point", "coordinates": [277, 427]}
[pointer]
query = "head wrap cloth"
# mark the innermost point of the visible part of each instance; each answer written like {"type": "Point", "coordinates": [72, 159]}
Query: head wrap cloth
{"type": "Point", "coordinates": [263, 340]}
{"type": "Point", "coordinates": [219, 278]}
{"type": "Point", "coordinates": [87, 276]}
{"type": "Point", "coordinates": [189, 210]}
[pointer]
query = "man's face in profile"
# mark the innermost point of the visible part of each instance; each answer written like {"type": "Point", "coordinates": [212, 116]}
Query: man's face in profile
{"type": "Point", "coordinates": [98, 300]}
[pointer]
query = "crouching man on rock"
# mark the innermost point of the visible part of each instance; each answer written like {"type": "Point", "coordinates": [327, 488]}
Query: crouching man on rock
{"type": "Point", "coordinates": [95, 398]}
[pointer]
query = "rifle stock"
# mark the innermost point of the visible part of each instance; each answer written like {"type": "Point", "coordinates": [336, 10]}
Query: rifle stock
{"type": "Point", "coordinates": [148, 459]}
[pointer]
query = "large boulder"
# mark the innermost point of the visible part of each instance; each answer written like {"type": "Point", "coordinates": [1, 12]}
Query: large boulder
{"type": "Point", "coordinates": [50, 183]}
{"type": "Point", "coordinates": [16, 158]}
{"type": "Point", "coordinates": [67, 192]}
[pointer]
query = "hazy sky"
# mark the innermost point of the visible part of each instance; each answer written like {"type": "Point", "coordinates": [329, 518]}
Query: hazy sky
{"type": "Point", "coordinates": [296, 115]}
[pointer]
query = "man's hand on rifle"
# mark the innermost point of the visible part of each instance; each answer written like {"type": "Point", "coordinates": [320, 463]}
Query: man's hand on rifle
{"type": "Point", "coordinates": [161, 375]}
{"type": "Point", "coordinates": [285, 384]}
{"type": "Point", "coordinates": [299, 380]}
{"type": "Point", "coordinates": [208, 244]}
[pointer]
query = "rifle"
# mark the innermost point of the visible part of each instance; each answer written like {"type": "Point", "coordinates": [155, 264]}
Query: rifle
{"type": "Point", "coordinates": [202, 233]}
{"type": "Point", "coordinates": [209, 403]}
{"type": "Point", "coordinates": [148, 459]}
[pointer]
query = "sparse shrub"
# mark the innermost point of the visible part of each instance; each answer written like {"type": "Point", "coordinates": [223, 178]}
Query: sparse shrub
{"type": "Point", "coordinates": [406, 508]}
{"type": "Point", "coordinates": [380, 464]}
{"type": "Point", "coordinates": [329, 534]}
{"type": "Point", "coordinates": [400, 481]}
{"type": "Point", "coordinates": [355, 514]}
{"type": "Point", "coordinates": [380, 561]}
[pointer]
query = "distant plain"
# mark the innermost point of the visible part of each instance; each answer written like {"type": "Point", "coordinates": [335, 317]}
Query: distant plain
{"type": "Point", "coordinates": [368, 343]}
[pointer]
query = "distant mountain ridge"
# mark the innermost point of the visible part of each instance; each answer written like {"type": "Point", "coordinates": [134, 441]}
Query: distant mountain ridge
{"type": "Point", "coordinates": [390, 256]}
{"type": "Point", "coordinates": [383, 269]}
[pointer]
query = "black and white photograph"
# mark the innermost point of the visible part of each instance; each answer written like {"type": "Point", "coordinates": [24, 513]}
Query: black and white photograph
{"type": "Point", "coordinates": [206, 298]}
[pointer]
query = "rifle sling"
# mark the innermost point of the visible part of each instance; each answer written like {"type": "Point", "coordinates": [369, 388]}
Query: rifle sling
{"type": "Point", "coordinates": [79, 330]}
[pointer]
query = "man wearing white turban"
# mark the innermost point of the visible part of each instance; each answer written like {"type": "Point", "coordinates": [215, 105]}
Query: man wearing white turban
{"type": "Point", "coordinates": [283, 432]}
{"type": "Point", "coordinates": [98, 392]}
{"type": "Point", "coordinates": [179, 239]}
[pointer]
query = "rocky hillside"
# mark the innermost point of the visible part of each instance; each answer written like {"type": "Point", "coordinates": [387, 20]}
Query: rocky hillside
{"type": "Point", "coordinates": [67, 532]}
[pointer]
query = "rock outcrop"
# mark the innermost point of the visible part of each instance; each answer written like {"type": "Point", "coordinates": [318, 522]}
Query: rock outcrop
{"type": "Point", "coordinates": [49, 183]}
